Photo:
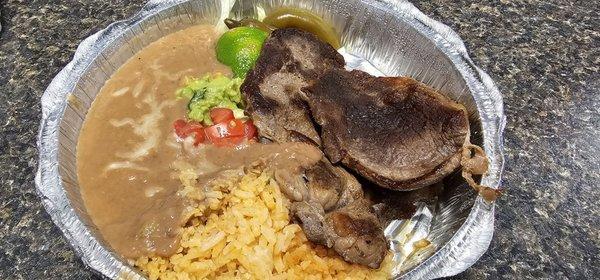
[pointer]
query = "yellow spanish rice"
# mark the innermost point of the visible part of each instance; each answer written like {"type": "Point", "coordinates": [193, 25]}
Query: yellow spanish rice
{"type": "Point", "coordinates": [242, 230]}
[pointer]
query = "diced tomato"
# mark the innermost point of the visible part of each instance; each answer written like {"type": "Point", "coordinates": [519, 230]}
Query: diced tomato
{"type": "Point", "coordinates": [178, 125]}
{"type": "Point", "coordinates": [250, 130]}
{"type": "Point", "coordinates": [236, 128]}
{"type": "Point", "coordinates": [227, 133]}
{"type": "Point", "coordinates": [184, 129]}
{"type": "Point", "coordinates": [230, 133]}
{"type": "Point", "coordinates": [219, 115]}
{"type": "Point", "coordinates": [192, 128]}
{"type": "Point", "coordinates": [198, 135]}
{"type": "Point", "coordinates": [233, 128]}
{"type": "Point", "coordinates": [214, 133]}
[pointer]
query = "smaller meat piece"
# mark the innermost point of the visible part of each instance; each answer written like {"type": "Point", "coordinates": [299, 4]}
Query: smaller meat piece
{"type": "Point", "coordinates": [394, 131]}
{"type": "Point", "coordinates": [356, 234]}
{"type": "Point", "coordinates": [329, 205]}
{"type": "Point", "coordinates": [353, 231]}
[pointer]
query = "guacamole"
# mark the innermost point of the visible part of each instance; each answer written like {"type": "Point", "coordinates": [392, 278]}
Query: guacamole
{"type": "Point", "coordinates": [212, 91]}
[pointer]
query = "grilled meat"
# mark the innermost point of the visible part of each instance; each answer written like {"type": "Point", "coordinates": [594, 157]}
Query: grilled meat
{"type": "Point", "coordinates": [353, 231]}
{"type": "Point", "coordinates": [328, 204]}
{"type": "Point", "coordinates": [394, 131]}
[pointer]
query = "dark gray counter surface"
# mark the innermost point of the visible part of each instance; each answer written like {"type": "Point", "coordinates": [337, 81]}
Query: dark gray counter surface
{"type": "Point", "coordinates": [543, 55]}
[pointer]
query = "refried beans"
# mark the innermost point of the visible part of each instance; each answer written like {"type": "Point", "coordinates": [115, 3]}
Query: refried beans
{"type": "Point", "coordinates": [126, 146]}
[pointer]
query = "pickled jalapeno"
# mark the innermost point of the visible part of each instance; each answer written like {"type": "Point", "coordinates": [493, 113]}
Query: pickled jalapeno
{"type": "Point", "coordinates": [232, 23]}
{"type": "Point", "coordinates": [305, 20]}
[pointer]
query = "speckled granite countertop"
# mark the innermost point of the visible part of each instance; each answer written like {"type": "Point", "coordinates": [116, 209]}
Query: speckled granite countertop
{"type": "Point", "coordinates": [543, 55]}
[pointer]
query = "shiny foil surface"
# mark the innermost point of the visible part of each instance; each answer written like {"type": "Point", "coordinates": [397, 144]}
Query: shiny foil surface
{"type": "Point", "coordinates": [382, 37]}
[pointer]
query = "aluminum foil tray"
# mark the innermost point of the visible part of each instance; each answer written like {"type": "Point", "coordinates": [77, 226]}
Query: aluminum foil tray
{"type": "Point", "coordinates": [383, 37]}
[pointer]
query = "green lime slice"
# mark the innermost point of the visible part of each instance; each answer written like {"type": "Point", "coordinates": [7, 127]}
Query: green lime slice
{"type": "Point", "coordinates": [239, 48]}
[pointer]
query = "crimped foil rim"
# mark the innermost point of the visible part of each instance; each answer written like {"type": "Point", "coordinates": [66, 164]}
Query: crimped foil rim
{"type": "Point", "coordinates": [460, 252]}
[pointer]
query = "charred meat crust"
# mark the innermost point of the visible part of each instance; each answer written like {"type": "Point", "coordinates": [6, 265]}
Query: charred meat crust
{"type": "Point", "coordinates": [394, 131]}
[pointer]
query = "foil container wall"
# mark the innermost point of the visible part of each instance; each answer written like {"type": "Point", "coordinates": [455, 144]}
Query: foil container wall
{"type": "Point", "coordinates": [383, 37]}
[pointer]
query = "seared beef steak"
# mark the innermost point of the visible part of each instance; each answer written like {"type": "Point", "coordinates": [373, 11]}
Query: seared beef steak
{"type": "Point", "coordinates": [394, 131]}
{"type": "Point", "coordinates": [290, 59]}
